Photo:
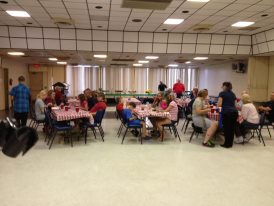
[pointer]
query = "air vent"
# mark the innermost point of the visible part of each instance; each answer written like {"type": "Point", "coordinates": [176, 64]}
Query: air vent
{"type": "Point", "coordinates": [161, 66]}
{"type": "Point", "coordinates": [123, 60]}
{"type": "Point", "coordinates": [99, 18]}
{"type": "Point", "coordinates": [119, 65]}
{"type": "Point", "coordinates": [180, 60]}
{"type": "Point", "coordinates": [202, 27]}
{"type": "Point", "coordinates": [63, 22]}
{"type": "Point", "coordinates": [146, 4]}
{"type": "Point", "coordinates": [249, 28]}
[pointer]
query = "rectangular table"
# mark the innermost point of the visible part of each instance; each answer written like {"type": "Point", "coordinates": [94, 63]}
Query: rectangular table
{"type": "Point", "coordinates": [73, 102]}
{"type": "Point", "coordinates": [134, 100]}
{"type": "Point", "coordinates": [71, 114]}
{"type": "Point", "coordinates": [183, 102]}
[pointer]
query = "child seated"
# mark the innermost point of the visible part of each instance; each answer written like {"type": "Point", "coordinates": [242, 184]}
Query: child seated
{"type": "Point", "coordinates": [132, 119]}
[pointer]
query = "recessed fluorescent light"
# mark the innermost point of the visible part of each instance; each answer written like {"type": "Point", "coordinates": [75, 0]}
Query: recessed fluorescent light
{"type": "Point", "coordinates": [152, 57]}
{"type": "Point", "coordinates": [188, 62]}
{"type": "Point", "coordinates": [243, 24]}
{"type": "Point", "coordinates": [16, 53]}
{"type": "Point", "coordinates": [101, 56]}
{"type": "Point", "coordinates": [173, 65]}
{"type": "Point", "coordinates": [198, 0]}
{"type": "Point", "coordinates": [53, 59]}
{"type": "Point", "coordinates": [18, 13]}
{"type": "Point", "coordinates": [137, 65]}
{"type": "Point", "coordinates": [200, 58]}
{"type": "Point", "coordinates": [173, 21]}
{"type": "Point", "coordinates": [143, 61]}
{"type": "Point", "coordinates": [61, 62]}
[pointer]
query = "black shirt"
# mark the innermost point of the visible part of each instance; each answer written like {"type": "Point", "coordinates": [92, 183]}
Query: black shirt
{"type": "Point", "coordinates": [91, 102]}
{"type": "Point", "coordinates": [162, 87]}
{"type": "Point", "coordinates": [228, 105]}
{"type": "Point", "coordinates": [270, 116]}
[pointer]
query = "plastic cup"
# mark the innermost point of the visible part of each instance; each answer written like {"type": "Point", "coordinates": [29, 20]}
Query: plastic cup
{"type": "Point", "coordinates": [66, 109]}
{"type": "Point", "coordinates": [77, 109]}
{"type": "Point", "coordinates": [212, 110]}
{"type": "Point", "coordinates": [62, 106]}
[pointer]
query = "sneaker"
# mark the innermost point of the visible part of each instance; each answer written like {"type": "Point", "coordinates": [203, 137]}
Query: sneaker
{"type": "Point", "coordinates": [238, 140]}
{"type": "Point", "coordinates": [210, 141]}
{"type": "Point", "coordinates": [155, 133]}
{"type": "Point", "coordinates": [208, 144]}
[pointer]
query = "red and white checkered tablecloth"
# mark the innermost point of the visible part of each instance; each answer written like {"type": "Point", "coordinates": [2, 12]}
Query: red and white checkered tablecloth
{"type": "Point", "coordinates": [73, 102]}
{"type": "Point", "coordinates": [183, 102]}
{"type": "Point", "coordinates": [149, 113]}
{"type": "Point", "coordinates": [214, 116]}
{"type": "Point", "coordinates": [71, 114]}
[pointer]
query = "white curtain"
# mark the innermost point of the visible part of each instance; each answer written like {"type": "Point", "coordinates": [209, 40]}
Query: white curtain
{"type": "Point", "coordinates": [127, 79]}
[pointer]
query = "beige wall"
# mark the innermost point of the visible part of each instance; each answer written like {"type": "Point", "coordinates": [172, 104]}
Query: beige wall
{"type": "Point", "coordinates": [51, 74]}
{"type": "Point", "coordinates": [212, 77]}
{"type": "Point", "coordinates": [260, 77]}
{"type": "Point", "coordinates": [16, 69]}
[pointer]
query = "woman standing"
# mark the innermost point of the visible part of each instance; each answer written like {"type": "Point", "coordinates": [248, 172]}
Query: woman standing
{"type": "Point", "coordinates": [227, 100]}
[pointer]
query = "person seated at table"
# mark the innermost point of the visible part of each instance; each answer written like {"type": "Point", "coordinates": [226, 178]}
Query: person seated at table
{"type": "Point", "coordinates": [50, 99]}
{"type": "Point", "coordinates": [100, 105]}
{"type": "Point", "coordinates": [199, 118]}
{"type": "Point", "coordinates": [59, 97]}
{"type": "Point", "coordinates": [83, 102]}
{"type": "Point", "coordinates": [160, 101]}
{"type": "Point", "coordinates": [159, 122]}
{"type": "Point", "coordinates": [91, 98]}
{"type": "Point", "coordinates": [40, 105]}
{"type": "Point", "coordinates": [250, 117]}
{"type": "Point", "coordinates": [268, 109]}
{"type": "Point", "coordinates": [194, 93]}
{"type": "Point", "coordinates": [132, 120]}
{"type": "Point", "coordinates": [120, 105]}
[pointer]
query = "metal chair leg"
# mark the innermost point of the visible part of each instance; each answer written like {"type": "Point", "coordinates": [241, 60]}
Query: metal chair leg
{"type": "Point", "coordinates": [124, 135]}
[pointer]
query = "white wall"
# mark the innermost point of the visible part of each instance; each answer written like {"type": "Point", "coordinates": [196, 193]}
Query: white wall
{"type": "Point", "coordinates": [16, 69]}
{"type": "Point", "coordinates": [212, 77]}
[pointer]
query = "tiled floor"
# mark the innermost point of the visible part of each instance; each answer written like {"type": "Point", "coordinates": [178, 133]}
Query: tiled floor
{"type": "Point", "coordinates": [155, 173]}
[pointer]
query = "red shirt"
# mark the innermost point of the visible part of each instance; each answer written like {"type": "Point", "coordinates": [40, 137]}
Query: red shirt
{"type": "Point", "coordinates": [84, 104]}
{"type": "Point", "coordinates": [178, 88]}
{"type": "Point", "coordinates": [98, 106]}
{"type": "Point", "coordinates": [120, 107]}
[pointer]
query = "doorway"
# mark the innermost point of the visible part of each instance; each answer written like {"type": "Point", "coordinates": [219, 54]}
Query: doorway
{"type": "Point", "coordinates": [36, 83]}
{"type": "Point", "coordinates": [6, 88]}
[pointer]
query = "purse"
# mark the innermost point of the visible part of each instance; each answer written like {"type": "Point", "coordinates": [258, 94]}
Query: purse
{"type": "Point", "coordinates": [16, 140]}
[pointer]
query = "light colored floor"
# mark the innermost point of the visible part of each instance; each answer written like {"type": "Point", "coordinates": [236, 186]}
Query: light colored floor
{"type": "Point", "coordinates": [169, 173]}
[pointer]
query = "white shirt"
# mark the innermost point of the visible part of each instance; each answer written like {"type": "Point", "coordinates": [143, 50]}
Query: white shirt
{"type": "Point", "coordinates": [250, 113]}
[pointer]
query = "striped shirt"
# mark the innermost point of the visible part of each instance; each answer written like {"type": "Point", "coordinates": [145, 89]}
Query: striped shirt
{"type": "Point", "coordinates": [174, 111]}
{"type": "Point", "coordinates": [21, 95]}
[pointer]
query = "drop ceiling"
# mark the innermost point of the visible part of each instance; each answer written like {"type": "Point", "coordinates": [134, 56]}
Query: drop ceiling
{"type": "Point", "coordinates": [220, 14]}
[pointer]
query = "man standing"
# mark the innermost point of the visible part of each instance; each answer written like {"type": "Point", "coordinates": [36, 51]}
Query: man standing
{"type": "Point", "coordinates": [20, 98]}
{"type": "Point", "coordinates": [178, 88]}
{"type": "Point", "coordinates": [161, 87]}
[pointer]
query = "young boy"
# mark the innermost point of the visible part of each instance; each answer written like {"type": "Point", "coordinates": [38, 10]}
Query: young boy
{"type": "Point", "coordinates": [132, 120]}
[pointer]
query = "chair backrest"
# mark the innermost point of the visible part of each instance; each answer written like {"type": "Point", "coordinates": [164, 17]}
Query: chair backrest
{"type": "Point", "coordinates": [48, 117]}
{"type": "Point", "coordinates": [99, 117]}
{"type": "Point", "coordinates": [262, 118]}
{"type": "Point", "coordinates": [32, 113]}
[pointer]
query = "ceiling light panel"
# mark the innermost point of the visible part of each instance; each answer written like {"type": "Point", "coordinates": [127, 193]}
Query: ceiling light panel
{"type": "Point", "coordinates": [243, 24]}
{"type": "Point", "coordinates": [18, 13]}
{"type": "Point", "coordinates": [173, 21]}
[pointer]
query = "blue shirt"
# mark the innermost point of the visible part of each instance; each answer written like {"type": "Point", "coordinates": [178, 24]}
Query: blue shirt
{"type": "Point", "coordinates": [228, 105]}
{"type": "Point", "coordinates": [21, 95]}
{"type": "Point", "coordinates": [127, 114]}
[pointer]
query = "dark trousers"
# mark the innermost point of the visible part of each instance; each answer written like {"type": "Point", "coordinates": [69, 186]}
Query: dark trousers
{"type": "Point", "coordinates": [229, 124]}
{"type": "Point", "coordinates": [241, 130]}
{"type": "Point", "coordinates": [21, 118]}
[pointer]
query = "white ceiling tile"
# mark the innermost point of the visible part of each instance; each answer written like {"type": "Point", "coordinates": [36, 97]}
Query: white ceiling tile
{"type": "Point", "coordinates": [145, 37]}
{"type": "Point", "coordinates": [4, 31]}
{"type": "Point", "coordinates": [52, 44]}
{"type": "Point", "coordinates": [160, 37]}
{"type": "Point", "coordinates": [204, 38]}
{"type": "Point", "coordinates": [17, 31]}
{"type": "Point", "coordinates": [202, 48]}
{"type": "Point", "coordinates": [51, 33]}
{"type": "Point", "coordinates": [190, 38]}
{"type": "Point", "coordinates": [230, 49]}
{"type": "Point", "coordinates": [4, 42]}
{"type": "Point", "coordinates": [174, 48]}
{"type": "Point", "coordinates": [84, 45]}
{"type": "Point", "coordinates": [216, 49]}
{"type": "Point", "coordinates": [175, 38]}
{"type": "Point", "coordinates": [35, 44]}
{"type": "Point", "coordinates": [130, 47]}
{"type": "Point", "coordinates": [99, 46]}
{"type": "Point", "coordinates": [115, 46]}
{"type": "Point", "coordinates": [67, 34]}
{"type": "Point", "coordinates": [159, 48]}
{"type": "Point", "coordinates": [99, 35]}
{"type": "Point", "coordinates": [18, 43]}
{"type": "Point", "coordinates": [83, 34]}
{"type": "Point", "coordinates": [244, 50]}
{"type": "Point", "coordinates": [115, 36]}
{"type": "Point", "coordinates": [145, 47]}
{"type": "Point", "coordinates": [188, 48]}
{"type": "Point", "coordinates": [68, 44]}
